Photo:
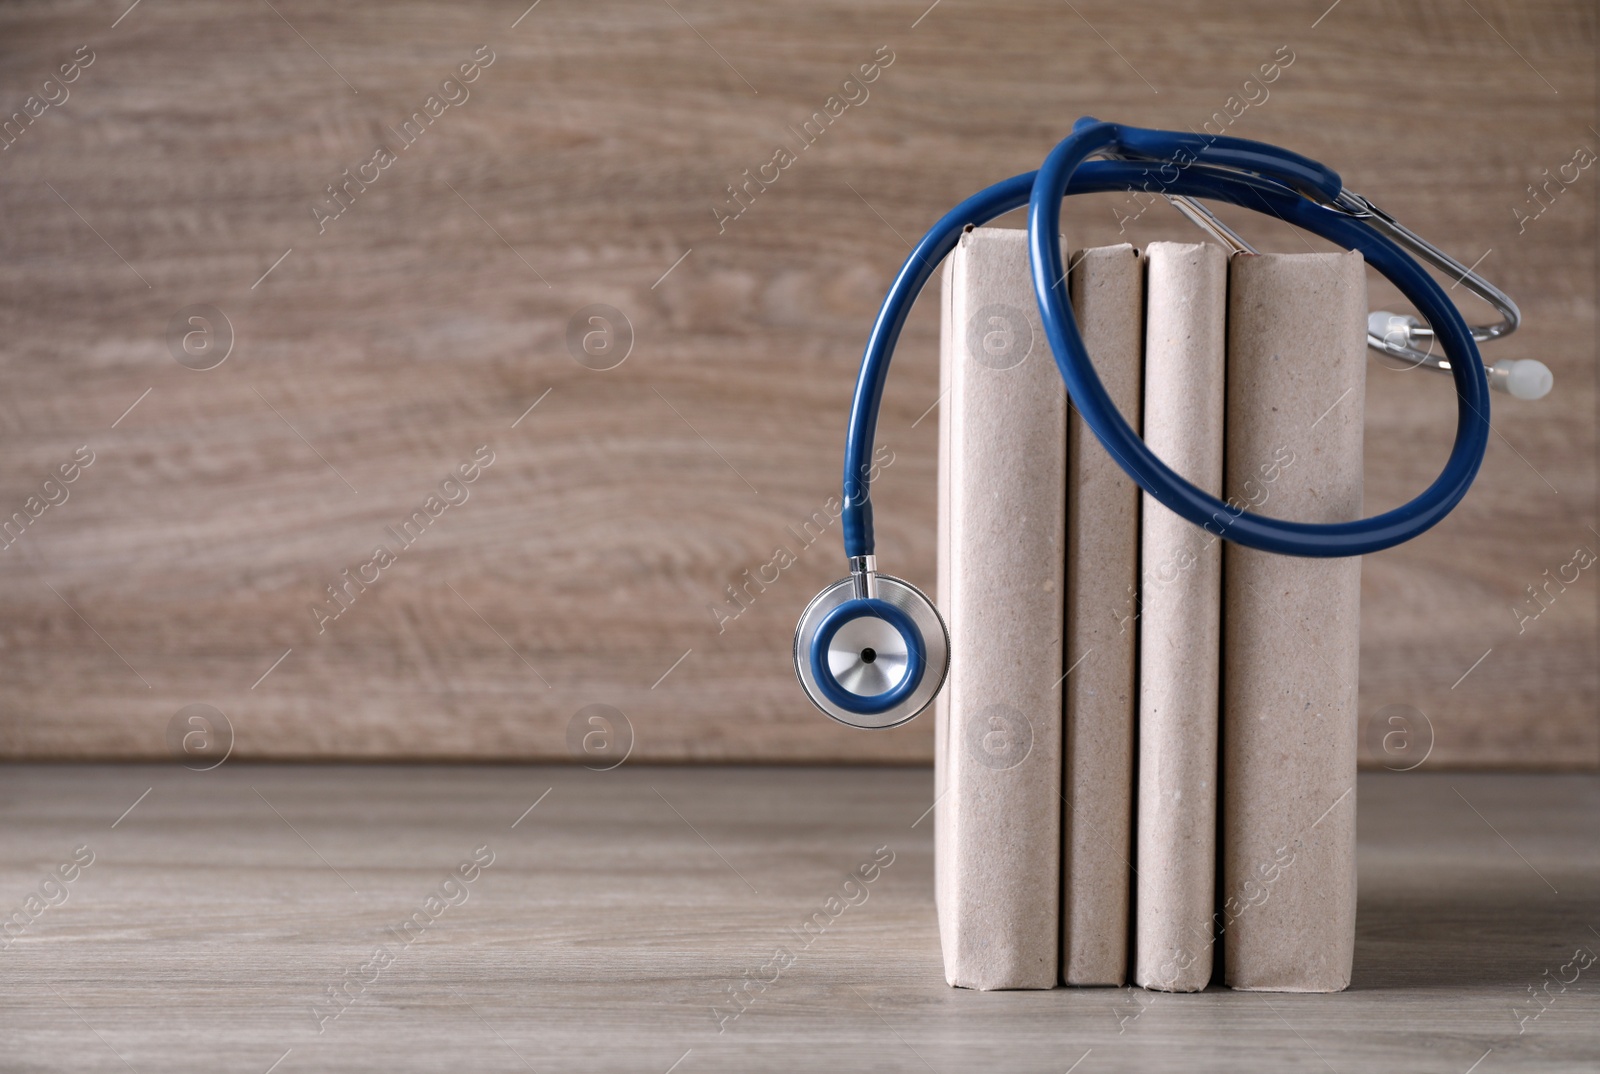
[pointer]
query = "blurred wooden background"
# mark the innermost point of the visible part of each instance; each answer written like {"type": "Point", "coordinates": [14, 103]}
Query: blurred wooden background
{"type": "Point", "coordinates": [581, 166]}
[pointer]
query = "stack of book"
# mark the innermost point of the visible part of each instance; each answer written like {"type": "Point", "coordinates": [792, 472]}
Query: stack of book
{"type": "Point", "coordinates": [1146, 749]}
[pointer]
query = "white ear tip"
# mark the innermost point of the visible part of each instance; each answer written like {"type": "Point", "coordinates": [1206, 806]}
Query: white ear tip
{"type": "Point", "coordinates": [1392, 328]}
{"type": "Point", "coordinates": [1527, 378]}
{"type": "Point", "coordinates": [1524, 378]}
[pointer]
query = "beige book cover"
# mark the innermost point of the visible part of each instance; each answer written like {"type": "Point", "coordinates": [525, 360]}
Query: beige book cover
{"type": "Point", "coordinates": [942, 819]}
{"type": "Point", "coordinates": [1107, 286]}
{"type": "Point", "coordinates": [1291, 626]}
{"type": "Point", "coordinates": [1180, 627]}
{"type": "Point", "coordinates": [1003, 507]}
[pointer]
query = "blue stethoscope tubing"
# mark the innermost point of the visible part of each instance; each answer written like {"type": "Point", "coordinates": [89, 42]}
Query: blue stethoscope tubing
{"type": "Point", "coordinates": [1249, 174]}
{"type": "Point", "coordinates": [884, 610]}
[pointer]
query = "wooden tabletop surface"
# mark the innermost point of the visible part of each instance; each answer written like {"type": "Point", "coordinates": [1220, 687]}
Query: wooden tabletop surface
{"type": "Point", "coordinates": [572, 920]}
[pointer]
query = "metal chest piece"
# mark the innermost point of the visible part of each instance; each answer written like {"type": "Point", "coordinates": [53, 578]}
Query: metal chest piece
{"type": "Point", "coordinates": [871, 650]}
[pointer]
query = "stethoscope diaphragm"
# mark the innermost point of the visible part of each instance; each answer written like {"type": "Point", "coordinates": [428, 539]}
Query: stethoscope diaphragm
{"type": "Point", "coordinates": [871, 662]}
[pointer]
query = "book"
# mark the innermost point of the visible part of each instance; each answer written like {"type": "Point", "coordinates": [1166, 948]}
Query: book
{"type": "Point", "coordinates": [943, 818]}
{"type": "Point", "coordinates": [1291, 626]}
{"type": "Point", "coordinates": [1099, 691]}
{"type": "Point", "coordinates": [1180, 623]}
{"type": "Point", "coordinates": [1002, 514]}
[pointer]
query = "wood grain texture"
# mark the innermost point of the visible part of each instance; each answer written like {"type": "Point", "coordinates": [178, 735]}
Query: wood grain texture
{"type": "Point", "coordinates": [615, 914]}
{"type": "Point", "coordinates": [421, 322]}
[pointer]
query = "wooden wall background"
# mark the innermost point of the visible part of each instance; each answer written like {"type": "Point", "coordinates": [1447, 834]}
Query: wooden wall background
{"type": "Point", "coordinates": [373, 358]}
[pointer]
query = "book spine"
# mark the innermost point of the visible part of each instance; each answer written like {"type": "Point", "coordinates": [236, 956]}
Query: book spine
{"type": "Point", "coordinates": [1007, 514]}
{"type": "Point", "coordinates": [1180, 626]}
{"type": "Point", "coordinates": [1296, 385]}
{"type": "Point", "coordinates": [943, 893]}
{"type": "Point", "coordinates": [1099, 693]}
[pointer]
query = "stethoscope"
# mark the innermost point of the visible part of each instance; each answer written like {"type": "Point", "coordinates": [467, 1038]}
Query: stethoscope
{"type": "Point", "coordinates": [871, 650]}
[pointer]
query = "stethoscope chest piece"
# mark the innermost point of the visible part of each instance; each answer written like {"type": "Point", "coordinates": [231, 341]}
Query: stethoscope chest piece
{"type": "Point", "coordinates": [871, 661]}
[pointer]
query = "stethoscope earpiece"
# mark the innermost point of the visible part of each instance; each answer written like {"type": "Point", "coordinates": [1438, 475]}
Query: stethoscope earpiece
{"type": "Point", "coordinates": [871, 651]}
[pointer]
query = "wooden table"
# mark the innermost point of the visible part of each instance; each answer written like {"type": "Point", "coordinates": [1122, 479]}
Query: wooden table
{"type": "Point", "coordinates": [220, 907]}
